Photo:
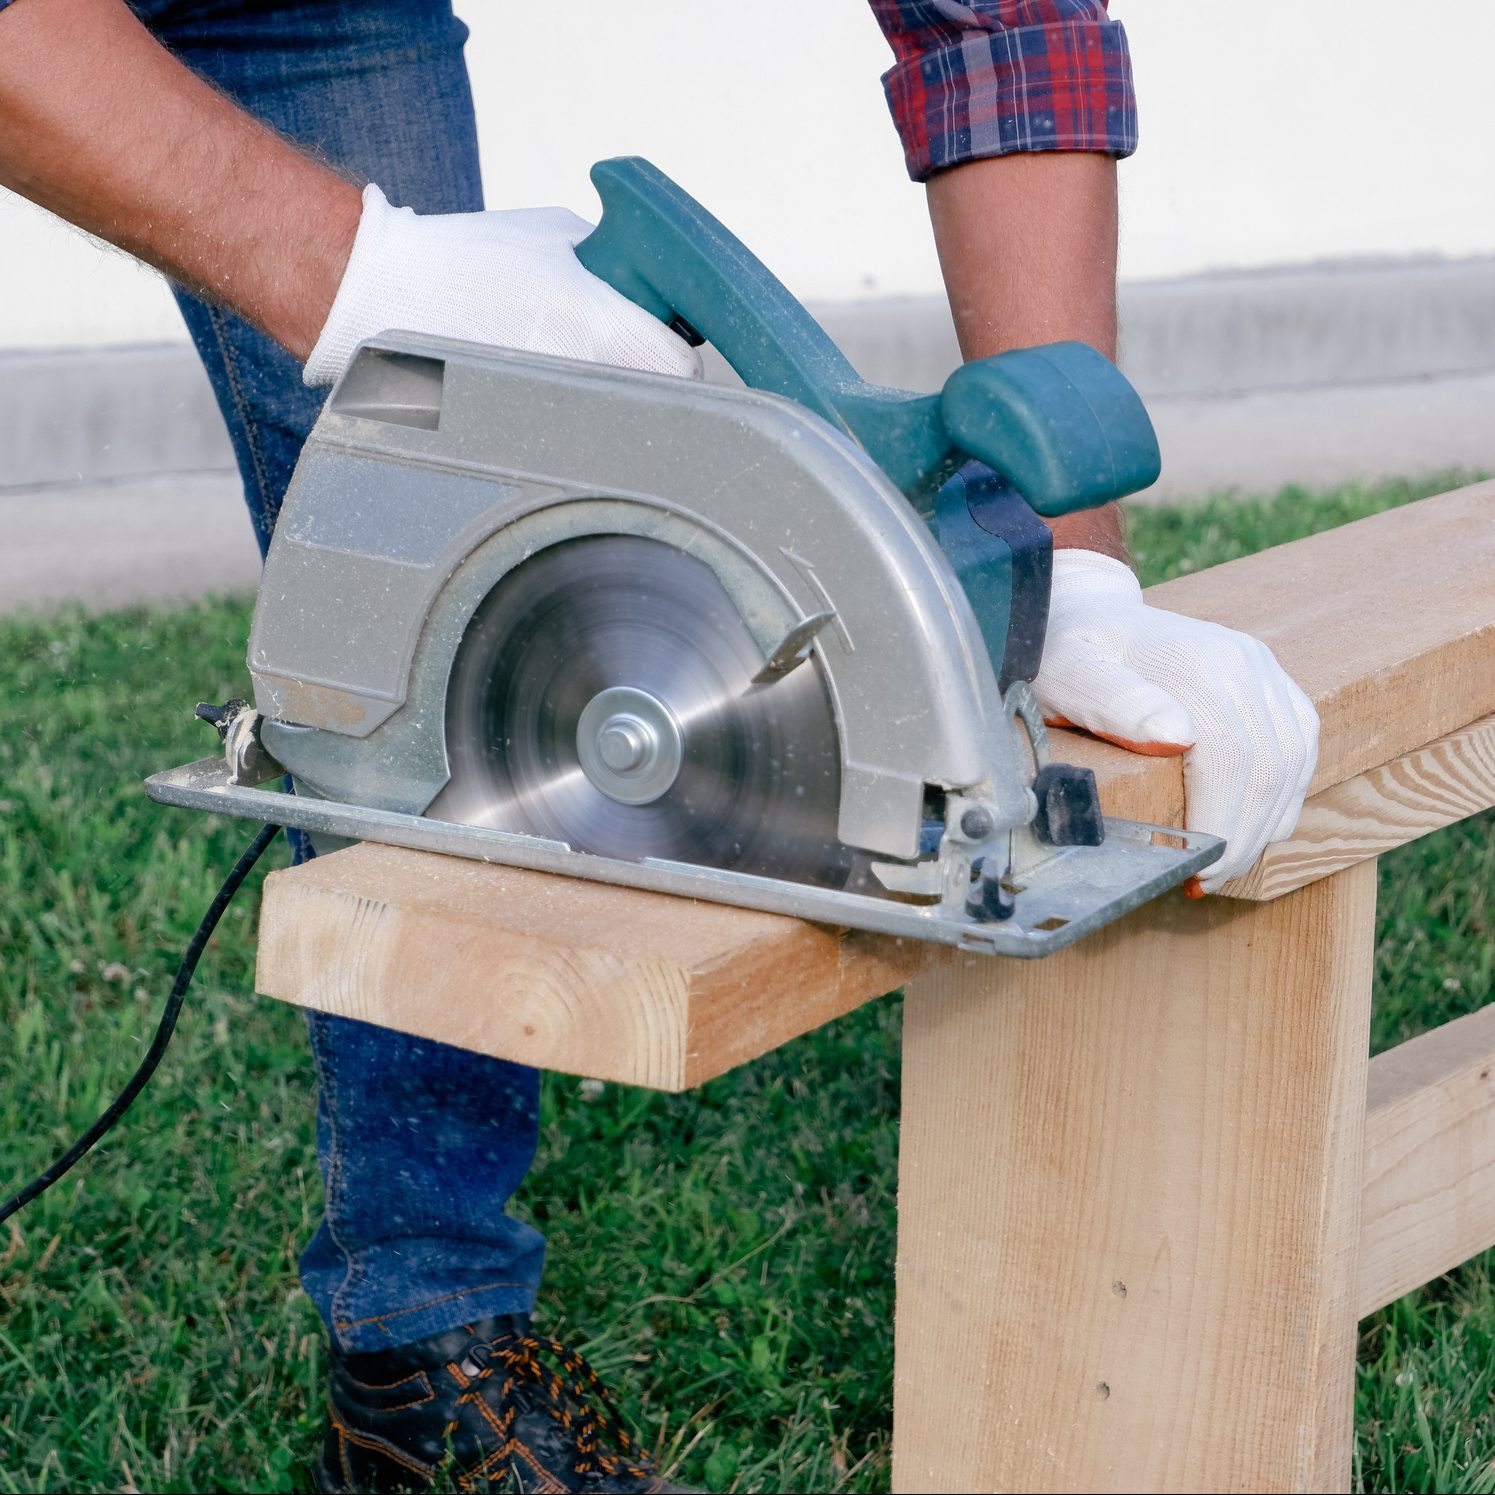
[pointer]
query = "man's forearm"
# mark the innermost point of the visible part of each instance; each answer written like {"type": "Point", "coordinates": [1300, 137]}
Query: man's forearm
{"type": "Point", "coordinates": [102, 126]}
{"type": "Point", "coordinates": [1027, 244]}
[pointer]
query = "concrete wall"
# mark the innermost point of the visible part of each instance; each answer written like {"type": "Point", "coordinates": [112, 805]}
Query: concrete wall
{"type": "Point", "coordinates": [1274, 132]}
{"type": "Point", "coordinates": [1253, 378]}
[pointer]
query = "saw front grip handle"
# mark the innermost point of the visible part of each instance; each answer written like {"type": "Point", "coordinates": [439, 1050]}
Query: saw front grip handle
{"type": "Point", "coordinates": [1060, 423]}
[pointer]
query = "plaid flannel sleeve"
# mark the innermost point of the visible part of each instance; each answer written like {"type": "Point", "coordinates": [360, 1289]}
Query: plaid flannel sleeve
{"type": "Point", "coordinates": [996, 76]}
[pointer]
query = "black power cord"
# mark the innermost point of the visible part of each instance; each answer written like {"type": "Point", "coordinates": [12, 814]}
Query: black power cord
{"type": "Point", "coordinates": [164, 1029]}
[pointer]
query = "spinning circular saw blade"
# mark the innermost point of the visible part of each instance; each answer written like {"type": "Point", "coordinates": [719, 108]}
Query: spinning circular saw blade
{"type": "Point", "coordinates": [603, 696]}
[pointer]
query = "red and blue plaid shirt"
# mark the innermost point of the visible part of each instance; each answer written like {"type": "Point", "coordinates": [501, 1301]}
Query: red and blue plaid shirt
{"type": "Point", "coordinates": [996, 76]}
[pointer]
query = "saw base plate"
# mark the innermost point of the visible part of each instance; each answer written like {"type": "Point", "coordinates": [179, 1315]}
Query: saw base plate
{"type": "Point", "coordinates": [1068, 895]}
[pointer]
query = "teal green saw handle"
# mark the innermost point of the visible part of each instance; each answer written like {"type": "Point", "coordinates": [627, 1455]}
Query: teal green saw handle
{"type": "Point", "coordinates": [1060, 423]}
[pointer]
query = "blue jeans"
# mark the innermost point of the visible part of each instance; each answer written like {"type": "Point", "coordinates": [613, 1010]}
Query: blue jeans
{"type": "Point", "coordinates": [421, 1145]}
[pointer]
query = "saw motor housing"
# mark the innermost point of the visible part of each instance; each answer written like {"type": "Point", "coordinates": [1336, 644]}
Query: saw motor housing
{"type": "Point", "coordinates": [438, 467]}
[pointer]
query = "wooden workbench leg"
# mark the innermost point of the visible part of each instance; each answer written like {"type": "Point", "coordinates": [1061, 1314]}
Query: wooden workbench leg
{"type": "Point", "coordinates": [1129, 1204]}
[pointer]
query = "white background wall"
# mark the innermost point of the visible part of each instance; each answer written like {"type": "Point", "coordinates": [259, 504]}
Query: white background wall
{"type": "Point", "coordinates": [1272, 132]}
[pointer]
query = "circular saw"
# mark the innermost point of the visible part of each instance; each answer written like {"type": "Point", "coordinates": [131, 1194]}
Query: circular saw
{"type": "Point", "coordinates": [765, 645]}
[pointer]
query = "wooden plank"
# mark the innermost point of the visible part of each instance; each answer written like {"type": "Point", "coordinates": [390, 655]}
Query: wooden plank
{"type": "Point", "coordinates": [1388, 624]}
{"type": "Point", "coordinates": [627, 986]}
{"type": "Point", "coordinates": [1129, 1197]}
{"type": "Point", "coordinates": [579, 977]}
{"type": "Point", "coordinates": [1429, 1158]}
{"type": "Point", "coordinates": [1419, 792]}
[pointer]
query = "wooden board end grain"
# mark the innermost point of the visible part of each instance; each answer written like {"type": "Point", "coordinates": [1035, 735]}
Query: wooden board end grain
{"type": "Point", "coordinates": [580, 977]}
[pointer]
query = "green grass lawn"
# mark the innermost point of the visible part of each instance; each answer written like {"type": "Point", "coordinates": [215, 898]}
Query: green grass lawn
{"type": "Point", "coordinates": [725, 1257]}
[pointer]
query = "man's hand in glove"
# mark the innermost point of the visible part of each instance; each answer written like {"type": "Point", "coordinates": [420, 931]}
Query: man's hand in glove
{"type": "Point", "coordinates": [508, 279]}
{"type": "Point", "coordinates": [1028, 247]}
{"type": "Point", "coordinates": [1157, 682]}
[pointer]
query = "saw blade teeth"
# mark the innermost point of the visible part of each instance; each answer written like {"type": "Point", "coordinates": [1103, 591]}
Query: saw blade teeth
{"type": "Point", "coordinates": [603, 696]}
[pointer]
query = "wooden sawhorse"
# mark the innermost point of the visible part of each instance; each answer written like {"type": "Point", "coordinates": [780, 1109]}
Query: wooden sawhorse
{"type": "Point", "coordinates": [1146, 1187]}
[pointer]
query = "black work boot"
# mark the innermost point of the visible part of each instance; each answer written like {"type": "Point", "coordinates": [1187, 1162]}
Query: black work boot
{"type": "Point", "coordinates": [480, 1409]}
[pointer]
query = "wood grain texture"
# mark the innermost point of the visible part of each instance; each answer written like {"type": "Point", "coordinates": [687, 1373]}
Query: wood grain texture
{"type": "Point", "coordinates": [1429, 1158]}
{"type": "Point", "coordinates": [1129, 1200]}
{"type": "Point", "coordinates": [562, 974]}
{"type": "Point", "coordinates": [1388, 624]}
{"type": "Point", "coordinates": [1419, 792]}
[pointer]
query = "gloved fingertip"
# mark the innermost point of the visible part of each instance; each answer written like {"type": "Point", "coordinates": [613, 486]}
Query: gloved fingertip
{"type": "Point", "coordinates": [1058, 721]}
{"type": "Point", "coordinates": [1194, 888]}
{"type": "Point", "coordinates": [1169, 727]}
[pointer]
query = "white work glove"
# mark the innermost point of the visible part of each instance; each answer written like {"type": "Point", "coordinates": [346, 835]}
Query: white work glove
{"type": "Point", "coordinates": [1157, 682]}
{"type": "Point", "coordinates": [508, 279]}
